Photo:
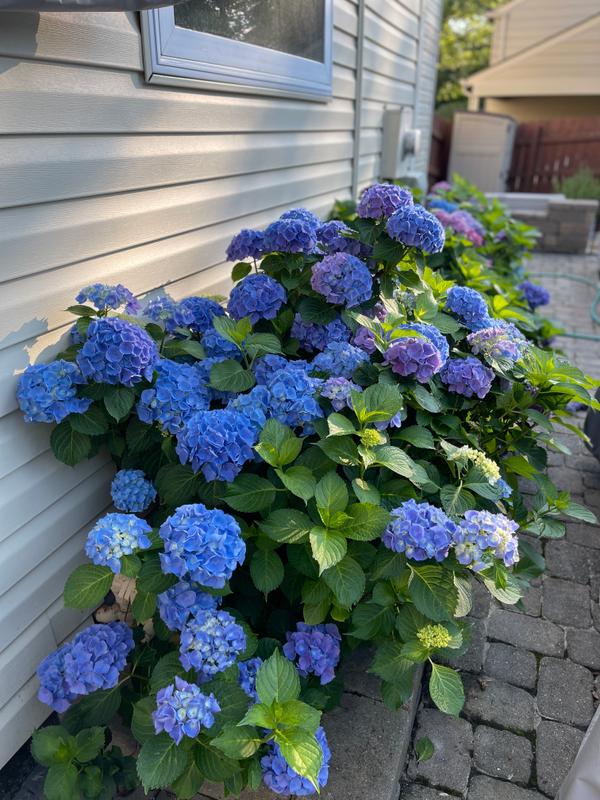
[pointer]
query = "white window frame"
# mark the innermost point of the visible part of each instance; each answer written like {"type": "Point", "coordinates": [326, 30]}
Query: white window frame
{"type": "Point", "coordinates": [174, 55]}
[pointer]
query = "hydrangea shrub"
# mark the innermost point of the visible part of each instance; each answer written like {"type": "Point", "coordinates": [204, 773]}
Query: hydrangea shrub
{"type": "Point", "coordinates": [335, 459]}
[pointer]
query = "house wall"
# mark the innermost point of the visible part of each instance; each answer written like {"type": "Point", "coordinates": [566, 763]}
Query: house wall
{"type": "Point", "coordinates": [105, 178]}
{"type": "Point", "coordinates": [532, 109]}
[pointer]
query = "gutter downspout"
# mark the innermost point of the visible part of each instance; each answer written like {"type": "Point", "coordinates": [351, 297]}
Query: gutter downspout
{"type": "Point", "coordinates": [358, 96]}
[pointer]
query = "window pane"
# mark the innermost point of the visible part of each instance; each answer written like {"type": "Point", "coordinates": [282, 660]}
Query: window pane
{"type": "Point", "coordinates": [290, 26]}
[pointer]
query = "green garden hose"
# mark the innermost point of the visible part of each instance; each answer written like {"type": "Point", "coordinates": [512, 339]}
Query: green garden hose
{"type": "Point", "coordinates": [595, 303]}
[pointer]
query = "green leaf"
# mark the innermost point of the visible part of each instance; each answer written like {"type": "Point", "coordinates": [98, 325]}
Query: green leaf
{"type": "Point", "coordinates": [151, 579]}
{"type": "Point", "coordinates": [188, 784]}
{"type": "Point", "coordinates": [301, 751]}
{"type": "Point", "coordinates": [371, 620]}
{"type": "Point", "coordinates": [313, 309]}
{"type": "Point", "coordinates": [82, 311]}
{"type": "Point", "coordinates": [277, 679]}
{"type": "Point", "coordinates": [277, 444]}
{"type": "Point", "coordinates": [446, 689]}
{"type": "Point", "coordinates": [456, 499]}
{"type": "Point", "coordinates": [142, 726]}
{"type": "Point", "coordinates": [51, 745]}
{"type": "Point", "coordinates": [61, 783]}
{"type": "Point", "coordinates": [230, 376]}
{"type": "Point", "coordinates": [230, 696]}
{"type": "Point", "coordinates": [286, 525]}
{"type": "Point", "coordinates": [257, 344]}
{"type": "Point", "coordinates": [577, 511]}
{"type": "Point", "coordinates": [390, 664]}
{"type": "Point", "coordinates": [92, 784]}
{"type": "Point", "coordinates": [130, 565]}
{"type": "Point", "coordinates": [328, 547]}
{"type": "Point", "coordinates": [341, 449]}
{"type": "Point", "coordinates": [259, 714]}
{"type": "Point", "coordinates": [377, 403]}
{"type": "Point", "coordinates": [177, 484]}
{"type": "Point", "coordinates": [249, 493]}
{"type": "Point", "coordinates": [366, 492]}
{"type": "Point", "coordinates": [396, 460]}
{"type": "Point", "coordinates": [346, 580]}
{"type": "Point", "coordinates": [424, 748]}
{"type": "Point", "coordinates": [426, 400]}
{"type": "Point", "coordinates": [240, 270]}
{"type": "Point", "coordinates": [160, 762]}
{"type": "Point", "coordinates": [238, 742]}
{"type": "Point", "coordinates": [144, 605]}
{"type": "Point", "coordinates": [299, 481]}
{"type": "Point", "coordinates": [89, 743]}
{"type": "Point", "coordinates": [417, 436]}
{"type": "Point", "coordinates": [165, 671]}
{"type": "Point", "coordinates": [433, 591]}
{"type": "Point", "coordinates": [266, 570]}
{"type": "Point", "coordinates": [295, 713]}
{"type": "Point", "coordinates": [339, 425]}
{"type": "Point", "coordinates": [509, 594]}
{"type": "Point", "coordinates": [119, 401]}
{"type": "Point", "coordinates": [331, 495]}
{"type": "Point", "coordinates": [366, 521]}
{"type": "Point", "coordinates": [465, 596]}
{"type": "Point", "coordinates": [92, 422]}
{"type": "Point", "coordinates": [87, 586]}
{"type": "Point", "coordinates": [68, 445]}
{"type": "Point", "coordinates": [213, 764]}
{"type": "Point", "coordinates": [97, 708]}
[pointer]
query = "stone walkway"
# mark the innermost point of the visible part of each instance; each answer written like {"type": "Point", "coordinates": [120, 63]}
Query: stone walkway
{"type": "Point", "coordinates": [532, 673]}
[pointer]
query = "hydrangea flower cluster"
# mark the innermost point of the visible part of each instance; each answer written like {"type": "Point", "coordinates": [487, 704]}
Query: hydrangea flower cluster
{"type": "Point", "coordinates": [291, 235]}
{"type": "Point", "coordinates": [254, 406]}
{"type": "Point", "coordinates": [461, 222]}
{"type": "Point", "coordinates": [280, 778]}
{"type": "Point", "coordinates": [414, 226]}
{"type": "Point", "coordinates": [105, 297]}
{"type": "Point", "coordinates": [210, 642]}
{"type": "Point", "coordinates": [382, 199]}
{"type": "Point", "coordinates": [47, 392]}
{"type": "Point", "coordinates": [340, 359]}
{"type": "Point", "coordinates": [182, 601]}
{"type": "Point", "coordinates": [264, 368]}
{"type": "Point", "coordinates": [93, 660]}
{"type": "Point", "coordinates": [163, 310]}
{"type": "Point", "coordinates": [315, 649]}
{"type": "Point", "coordinates": [197, 313]}
{"type": "Point", "coordinates": [313, 336]}
{"type": "Point", "coordinates": [488, 467]}
{"type": "Point", "coordinates": [483, 536]}
{"type": "Point", "coordinates": [247, 243]}
{"type": "Point", "coordinates": [434, 637]}
{"type": "Point", "coordinates": [303, 214]}
{"type": "Point", "coordinates": [117, 352]}
{"type": "Point", "coordinates": [182, 710]}
{"type": "Point", "coordinates": [364, 339]}
{"type": "Point", "coordinates": [178, 393]}
{"type": "Point", "coordinates": [338, 391]}
{"type": "Point", "coordinates": [132, 491]}
{"type": "Point", "coordinates": [420, 530]}
{"type": "Point", "coordinates": [333, 236]}
{"type": "Point", "coordinates": [257, 296]}
{"type": "Point", "coordinates": [535, 294]}
{"type": "Point", "coordinates": [292, 397]}
{"type": "Point", "coordinates": [115, 536]}
{"type": "Point", "coordinates": [467, 376]}
{"type": "Point", "coordinates": [442, 205]}
{"type": "Point", "coordinates": [432, 333]}
{"type": "Point", "coordinates": [342, 279]}
{"type": "Point", "coordinates": [411, 356]}
{"type": "Point", "coordinates": [204, 544]}
{"type": "Point", "coordinates": [218, 442]}
{"type": "Point", "coordinates": [500, 341]}
{"type": "Point", "coordinates": [247, 676]}
{"type": "Point", "coordinates": [216, 346]}
{"type": "Point", "coordinates": [469, 306]}
{"type": "Point", "coordinates": [504, 489]}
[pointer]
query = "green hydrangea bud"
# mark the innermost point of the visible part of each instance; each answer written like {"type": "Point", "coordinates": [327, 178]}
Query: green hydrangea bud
{"type": "Point", "coordinates": [371, 437]}
{"type": "Point", "coordinates": [434, 636]}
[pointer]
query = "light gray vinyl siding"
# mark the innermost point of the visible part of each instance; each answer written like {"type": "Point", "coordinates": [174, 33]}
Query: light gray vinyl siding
{"type": "Point", "coordinates": [105, 178]}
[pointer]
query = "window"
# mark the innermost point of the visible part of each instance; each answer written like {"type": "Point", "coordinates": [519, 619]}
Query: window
{"type": "Point", "coordinates": [259, 46]}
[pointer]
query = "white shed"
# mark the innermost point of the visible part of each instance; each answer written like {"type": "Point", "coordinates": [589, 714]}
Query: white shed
{"type": "Point", "coordinates": [116, 173]}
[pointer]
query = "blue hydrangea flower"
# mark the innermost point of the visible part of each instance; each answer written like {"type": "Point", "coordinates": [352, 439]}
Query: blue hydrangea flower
{"type": "Point", "coordinates": [254, 405]}
{"type": "Point", "coordinates": [382, 199]}
{"type": "Point", "coordinates": [535, 294]}
{"type": "Point", "coordinates": [432, 333]}
{"type": "Point", "coordinates": [469, 306]}
{"type": "Point", "coordinates": [217, 442]}
{"type": "Point", "coordinates": [500, 341]}
{"type": "Point", "coordinates": [340, 359]}
{"type": "Point", "coordinates": [210, 642]}
{"type": "Point", "coordinates": [414, 226]}
{"type": "Point", "coordinates": [264, 368]}
{"type": "Point", "coordinates": [291, 236]}
{"type": "Point", "coordinates": [182, 601]}
{"type": "Point", "coordinates": [395, 422]}
{"type": "Point", "coordinates": [444, 205]}
{"type": "Point", "coordinates": [132, 491]}
{"type": "Point", "coordinates": [197, 313]}
{"type": "Point", "coordinates": [115, 536]}
{"type": "Point", "coordinates": [247, 676]}
{"type": "Point", "coordinates": [292, 397]}
{"type": "Point", "coordinates": [280, 778]}
{"type": "Point", "coordinates": [504, 489]}
{"type": "Point", "coordinates": [481, 537]}
{"type": "Point", "coordinates": [302, 214]}
{"type": "Point", "coordinates": [182, 710]}
{"type": "Point", "coordinates": [247, 243]}
{"type": "Point", "coordinates": [104, 297]}
{"type": "Point", "coordinates": [162, 309]}
{"type": "Point", "coordinates": [337, 390]}
{"type": "Point", "coordinates": [467, 376]}
{"type": "Point", "coordinates": [342, 279]}
{"type": "Point", "coordinates": [313, 336]}
{"type": "Point", "coordinates": [92, 661]}
{"type": "Point", "coordinates": [413, 357]}
{"type": "Point", "coordinates": [315, 649]}
{"type": "Point", "coordinates": [204, 544]}
{"type": "Point", "coordinates": [215, 346]}
{"type": "Point", "coordinates": [178, 393]}
{"type": "Point", "coordinates": [333, 236]}
{"type": "Point", "coordinates": [117, 352]}
{"type": "Point", "coordinates": [420, 530]}
{"type": "Point", "coordinates": [47, 392]}
{"type": "Point", "coordinates": [257, 296]}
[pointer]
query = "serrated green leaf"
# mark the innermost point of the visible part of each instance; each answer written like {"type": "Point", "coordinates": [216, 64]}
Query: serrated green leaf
{"type": "Point", "coordinates": [313, 309]}
{"type": "Point", "coordinates": [331, 495]}
{"type": "Point", "coordinates": [366, 521]}
{"type": "Point", "coordinates": [230, 376]}
{"type": "Point", "coordinates": [286, 525]}
{"type": "Point", "coordinates": [258, 344]}
{"type": "Point", "coordinates": [213, 764]}
{"type": "Point", "coordinates": [240, 270]}
{"type": "Point", "coordinates": [396, 460]}
{"type": "Point", "coordinates": [177, 484]}
{"type": "Point", "coordinates": [277, 444]}
{"type": "Point", "coordinates": [151, 578]}
{"type": "Point", "coordinates": [238, 742]}
{"type": "Point", "coordinates": [366, 492]}
{"type": "Point", "coordinates": [390, 664]}
{"type": "Point", "coordinates": [189, 782]}
{"type": "Point", "coordinates": [97, 708]}
{"type": "Point", "coordinates": [142, 726]}
{"type": "Point", "coordinates": [165, 671]}
{"type": "Point", "coordinates": [298, 714]}
{"type": "Point", "coordinates": [377, 403]}
{"type": "Point", "coordinates": [578, 511]}
{"type": "Point", "coordinates": [417, 436]}
{"type": "Point", "coordinates": [299, 481]}
{"type": "Point", "coordinates": [88, 743]}
{"type": "Point", "coordinates": [92, 422]}
{"type": "Point", "coordinates": [118, 401]}
{"type": "Point", "coordinates": [259, 714]}
{"type": "Point", "coordinates": [61, 783]}
{"type": "Point", "coordinates": [249, 493]}
{"type": "Point", "coordinates": [346, 580]}
{"type": "Point", "coordinates": [341, 450]}
{"type": "Point", "coordinates": [87, 586]}
{"type": "Point", "coordinates": [52, 745]}
{"type": "Point", "coordinates": [266, 570]}
{"type": "Point", "coordinates": [424, 748]}
{"type": "Point", "coordinates": [68, 445]}
{"type": "Point", "coordinates": [328, 547]}
{"type": "Point", "coordinates": [339, 425]}
{"type": "Point", "coordinates": [446, 689]}
{"type": "Point", "coordinates": [160, 762]}
{"type": "Point", "coordinates": [301, 751]}
{"type": "Point", "coordinates": [433, 591]}
{"type": "Point", "coordinates": [144, 605]}
{"type": "Point", "coordinates": [277, 679]}
{"type": "Point", "coordinates": [456, 499]}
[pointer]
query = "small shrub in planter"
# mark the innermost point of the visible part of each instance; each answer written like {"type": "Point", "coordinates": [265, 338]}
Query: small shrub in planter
{"type": "Point", "coordinates": [331, 460]}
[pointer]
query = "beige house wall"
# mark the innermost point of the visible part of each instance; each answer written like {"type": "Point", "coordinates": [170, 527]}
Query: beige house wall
{"type": "Point", "coordinates": [532, 109]}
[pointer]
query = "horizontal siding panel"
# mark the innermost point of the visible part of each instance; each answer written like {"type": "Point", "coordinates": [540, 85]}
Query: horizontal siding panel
{"type": "Point", "coordinates": [382, 62]}
{"type": "Point", "coordinates": [19, 718]}
{"type": "Point", "coordinates": [20, 441]}
{"type": "Point", "coordinates": [344, 48]}
{"type": "Point", "coordinates": [47, 168]}
{"type": "Point", "coordinates": [343, 82]}
{"type": "Point", "coordinates": [396, 15]}
{"type": "Point", "coordinates": [383, 34]}
{"type": "Point", "coordinates": [387, 90]}
{"type": "Point", "coordinates": [21, 658]}
{"type": "Point", "coordinates": [345, 16]}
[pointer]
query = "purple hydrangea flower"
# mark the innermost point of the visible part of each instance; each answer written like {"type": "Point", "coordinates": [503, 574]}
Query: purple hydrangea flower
{"type": "Point", "coordinates": [342, 279]}
{"type": "Point", "coordinates": [182, 601]}
{"type": "Point", "coordinates": [467, 376]}
{"type": "Point", "coordinates": [333, 236]}
{"type": "Point", "coordinates": [162, 309]}
{"type": "Point", "coordinates": [500, 341]}
{"type": "Point", "coordinates": [302, 214]}
{"type": "Point", "coordinates": [338, 391]}
{"type": "Point", "coordinates": [247, 243]}
{"type": "Point", "coordinates": [104, 297]}
{"type": "Point", "coordinates": [47, 392]}
{"type": "Point", "coordinates": [430, 332]}
{"type": "Point", "coordinates": [441, 186]}
{"type": "Point", "coordinates": [280, 778]}
{"type": "Point", "coordinates": [247, 676]}
{"type": "Point", "coordinates": [382, 199]}
{"type": "Point", "coordinates": [315, 649]}
{"type": "Point", "coordinates": [216, 346]}
{"type": "Point", "coordinates": [364, 339]}
{"type": "Point", "coordinates": [217, 442]}
{"type": "Point", "coordinates": [197, 313]}
{"type": "Point", "coordinates": [313, 336]}
{"type": "Point", "coordinates": [182, 710]}
{"type": "Point", "coordinates": [414, 226]}
{"type": "Point", "coordinates": [115, 536]}
{"type": "Point", "coordinates": [340, 359]}
{"type": "Point", "coordinates": [291, 236]}
{"type": "Point", "coordinates": [411, 356]}
{"type": "Point", "coordinates": [257, 296]}
{"type": "Point", "coordinates": [204, 544]}
{"type": "Point", "coordinates": [264, 368]}
{"type": "Point", "coordinates": [210, 642]}
{"type": "Point", "coordinates": [178, 393]}
{"type": "Point", "coordinates": [132, 491]}
{"type": "Point", "coordinates": [482, 536]}
{"type": "Point", "coordinates": [469, 306]}
{"type": "Point", "coordinates": [117, 352]}
{"type": "Point", "coordinates": [461, 222]}
{"type": "Point", "coordinates": [535, 294]}
{"type": "Point", "coordinates": [420, 530]}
